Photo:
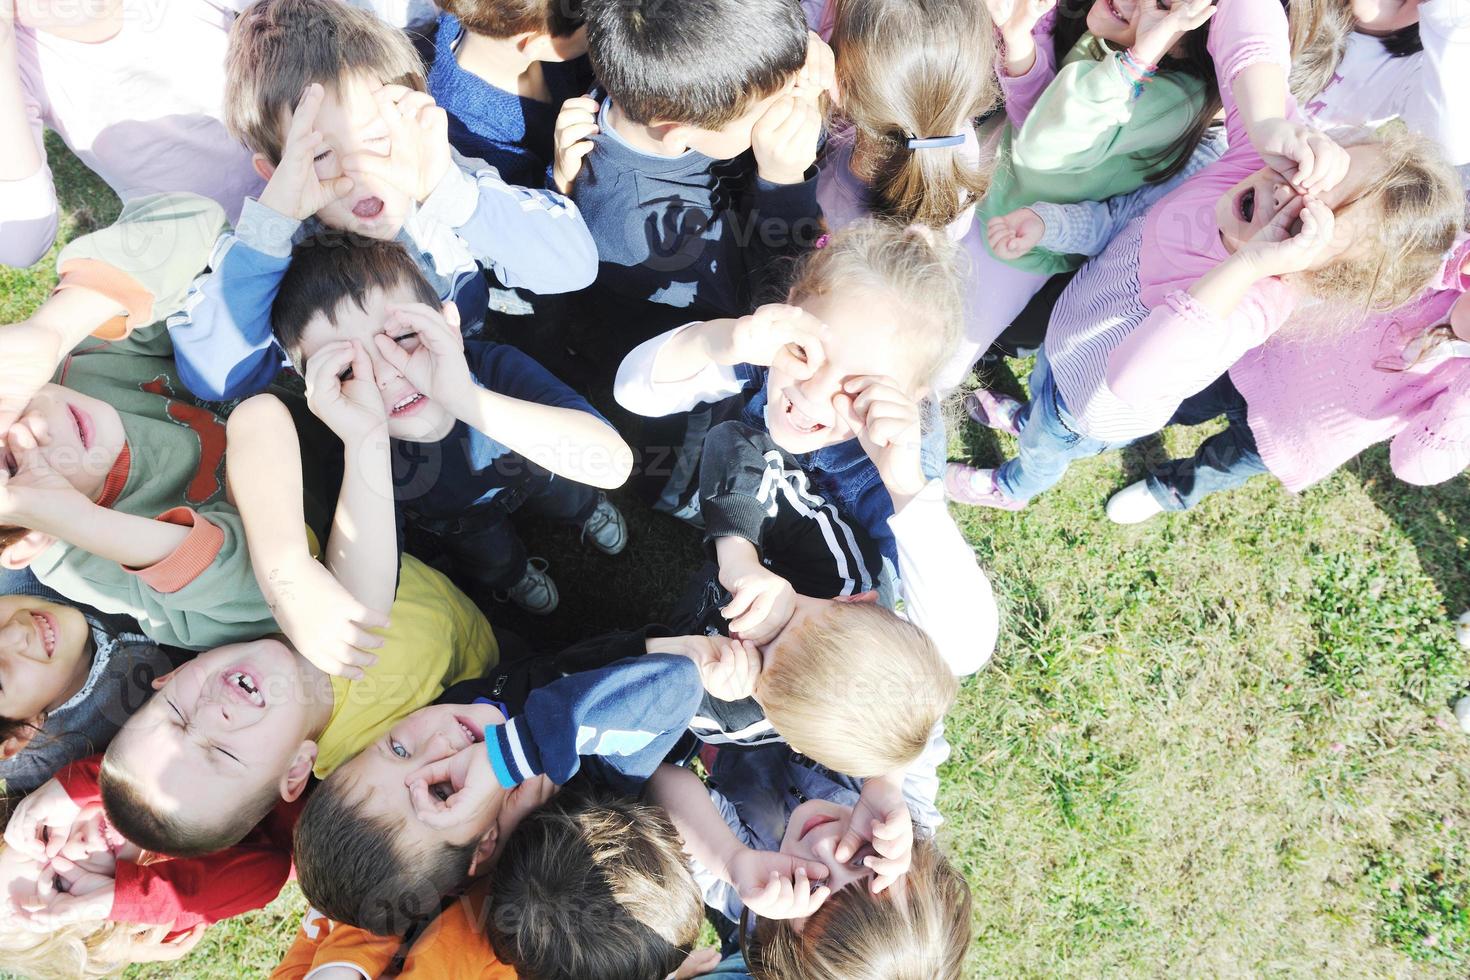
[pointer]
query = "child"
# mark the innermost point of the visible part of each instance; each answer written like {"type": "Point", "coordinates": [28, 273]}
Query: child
{"type": "Point", "coordinates": [694, 172]}
{"type": "Point", "coordinates": [836, 379]}
{"type": "Point", "coordinates": [626, 865]}
{"type": "Point", "coordinates": [1214, 263]}
{"type": "Point", "coordinates": [113, 491]}
{"type": "Point", "coordinates": [72, 676]}
{"type": "Point", "coordinates": [1383, 61]}
{"type": "Point", "coordinates": [331, 100]}
{"type": "Point", "coordinates": [432, 802]}
{"type": "Point", "coordinates": [771, 826]}
{"type": "Point", "coordinates": [1400, 376]}
{"type": "Point", "coordinates": [502, 70]}
{"type": "Point", "coordinates": [1095, 106]}
{"type": "Point", "coordinates": [470, 443]}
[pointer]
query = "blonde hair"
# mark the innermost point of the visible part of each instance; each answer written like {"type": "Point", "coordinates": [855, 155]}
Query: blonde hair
{"type": "Point", "coordinates": [1319, 32]}
{"type": "Point", "coordinates": [915, 68]}
{"type": "Point", "coordinates": [917, 267]}
{"type": "Point", "coordinates": [1419, 210]}
{"type": "Point", "coordinates": [279, 47]}
{"type": "Point", "coordinates": [918, 929]}
{"type": "Point", "coordinates": [73, 952]}
{"type": "Point", "coordinates": [857, 689]}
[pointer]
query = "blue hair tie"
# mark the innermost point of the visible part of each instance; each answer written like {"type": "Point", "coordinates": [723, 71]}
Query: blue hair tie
{"type": "Point", "coordinates": [935, 142]}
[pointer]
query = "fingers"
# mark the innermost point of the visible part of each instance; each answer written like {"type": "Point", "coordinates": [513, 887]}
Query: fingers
{"type": "Point", "coordinates": [393, 354]}
{"type": "Point", "coordinates": [755, 613]}
{"type": "Point", "coordinates": [429, 324]}
{"type": "Point", "coordinates": [303, 120]}
{"type": "Point", "coordinates": [323, 371]}
{"type": "Point", "coordinates": [742, 599]}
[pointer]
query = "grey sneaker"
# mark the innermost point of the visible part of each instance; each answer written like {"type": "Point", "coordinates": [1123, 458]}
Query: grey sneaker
{"type": "Point", "coordinates": [535, 592]}
{"type": "Point", "coordinates": [606, 528]}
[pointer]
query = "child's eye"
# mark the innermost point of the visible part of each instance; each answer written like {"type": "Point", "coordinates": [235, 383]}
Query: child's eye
{"type": "Point", "coordinates": [321, 156]}
{"type": "Point", "coordinates": [797, 351]}
{"type": "Point", "coordinates": [398, 750]}
{"type": "Point", "coordinates": [408, 341]}
{"type": "Point", "coordinates": [380, 143]}
{"type": "Point", "coordinates": [442, 792]}
{"type": "Point", "coordinates": [345, 375]}
{"type": "Point", "coordinates": [59, 883]}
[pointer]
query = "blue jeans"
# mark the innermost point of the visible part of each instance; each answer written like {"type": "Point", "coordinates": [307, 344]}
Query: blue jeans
{"type": "Point", "coordinates": [1223, 461]}
{"type": "Point", "coordinates": [1050, 440]}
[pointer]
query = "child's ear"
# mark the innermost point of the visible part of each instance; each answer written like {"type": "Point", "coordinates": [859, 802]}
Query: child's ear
{"type": "Point", "coordinates": [294, 783]}
{"type": "Point", "coordinates": [21, 553]}
{"type": "Point", "coordinates": [158, 682]}
{"type": "Point", "coordinates": [451, 314]}
{"type": "Point", "coordinates": [485, 850]}
{"type": "Point", "coordinates": [15, 744]}
{"type": "Point", "coordinates": [868, 596]}
{"type": "Point", "coordinates": [263, 166]}
{"type": "Point", "coordinates": [674, 137]}
{"type": "Point", "coordinates": [538, 46]}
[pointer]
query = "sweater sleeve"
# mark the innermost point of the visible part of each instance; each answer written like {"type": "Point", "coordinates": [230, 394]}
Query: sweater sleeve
{"type": "Point", "coordinates": [732, 483]}
{"type": "Point", "coordinates": [1021, 91]}
{"type": "Point", "coordinates": [1435, 445]}
{"type": "Point", "coordinates": [781, 222]}
{"type": "Point", "coordinates": [1433, 107]}
{"type": "Point", "coordinates": [637, 392]}
{"type": "Point", "coordinates": [631, 714]}
{"type": "Point", "coordinates": [944, 591]}
{"type": "Point", "coordinates": [530, 238]}
{"type": "Point", "coordinates": [185, 892]}
{"type": "Point", "coordinates": [222, 334]}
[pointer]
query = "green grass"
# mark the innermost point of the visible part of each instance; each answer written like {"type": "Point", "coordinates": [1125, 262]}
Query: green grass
{"type": "Point", "coordinates": [1218, 744]}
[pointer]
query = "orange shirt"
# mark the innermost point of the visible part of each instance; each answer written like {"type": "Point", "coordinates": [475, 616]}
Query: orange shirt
{"type": "Point", "coordinates": [454, 946]}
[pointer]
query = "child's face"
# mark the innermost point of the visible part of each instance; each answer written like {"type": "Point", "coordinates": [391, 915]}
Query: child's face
{"type": "Point", "coordinates": [1249, 206]}
{"type": "Point", "coordinates": [77, 436]}
{"type": "Point", "coordinates": [813, 832]}
{"type": "Point", "coordinates": [1383, 17]}
{"type": "Point", "coordinates": [431, 734]}
{"type": "Point", "coordinates": [866, 339]}
{"type": "Point", "coordinates": [1114, 20]}
{"type": "Point", "coordinates": [226, 725]}
{"type": "Point", "coordinates": [90, 861]}
{"type": "Point", "coordinates": [350, 124]}
{"type": "Point", "coordinates": [412, 416]}
{"type": "Point", "coordinates": [734, 138]}
{"type": "Point", "coordinates": [42, 655]}
{"type": "Point", "coordinates": [1460, 317]}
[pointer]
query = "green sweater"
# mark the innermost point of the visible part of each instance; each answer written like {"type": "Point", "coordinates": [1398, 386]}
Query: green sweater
{"type": "Point", "coordinates": [204, 595]}
{"type": "Point", "coordinates": [1087, 139]}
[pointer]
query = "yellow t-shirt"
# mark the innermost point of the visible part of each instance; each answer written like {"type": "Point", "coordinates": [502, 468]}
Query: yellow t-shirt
{"type": "Point", "coordinates": [435, 639]}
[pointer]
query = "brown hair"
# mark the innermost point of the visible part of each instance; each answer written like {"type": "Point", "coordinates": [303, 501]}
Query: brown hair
{"type": "Point", "coordinates": [352, 868]}
{"type": "Point", "coordinates": [506, 18]}
{"type": "Point", "coordinates": [918, 929]}
{"type": "Point", "coordinates": [327, 272]}
{"type": "Point", "coordinates": [134, 811]}
{"type": "Point", "coordinates": [858, 689]}
{"type": "Point", "coordinates": [1419, 210]}
{"type": "Point", "coordinates": [279, 47]}
{"type": "Point", "coordinates": [594, 887]}
{"type": "Point", "coordinates": [914, 265]}
{"type": "Point", "coordinates": [10, 534]}
{"type": "Point", "coordinates": [697, 62]}
{"type": "Point", "coordinates": [934, 83]}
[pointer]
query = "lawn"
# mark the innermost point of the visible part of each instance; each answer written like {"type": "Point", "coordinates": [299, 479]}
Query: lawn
{"type": "Point", "coordinates": [1218, 744]}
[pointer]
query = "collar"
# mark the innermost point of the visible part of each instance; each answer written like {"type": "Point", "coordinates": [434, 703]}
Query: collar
{"type": "Point", "coordinates": [105, 644]}
{"type": "Point", "coordinates": [117, 478]}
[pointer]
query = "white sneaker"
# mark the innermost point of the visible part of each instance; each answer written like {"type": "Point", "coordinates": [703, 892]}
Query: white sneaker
{"type": "Point", "coordinates": [606, 529]}
{"type": "Point", "coordinates": [1133, 504]}
{"type": "Point", "coordinates": [535, 592]}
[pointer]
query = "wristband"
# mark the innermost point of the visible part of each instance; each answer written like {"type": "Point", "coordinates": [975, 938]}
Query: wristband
{"type": "Point", "coordinates": [1140, 72]}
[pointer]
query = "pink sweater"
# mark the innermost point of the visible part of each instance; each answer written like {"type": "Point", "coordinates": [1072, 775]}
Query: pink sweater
{"type": "Point", "coordinates": [1317, 401]}
{"type": "Point", "coordinates": [1181, 347]}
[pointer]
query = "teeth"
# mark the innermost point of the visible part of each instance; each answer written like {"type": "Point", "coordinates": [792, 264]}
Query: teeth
{"type": "Point", "coordinates": [244, 683]}
{"type": "Point", "coordinates": [407, 402]}
{"type": "Point", "coordinates": [48, 635]}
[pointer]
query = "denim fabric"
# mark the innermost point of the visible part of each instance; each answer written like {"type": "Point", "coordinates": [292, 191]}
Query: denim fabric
{"type": "Point", "coordinates": [1224, 461]}
{"type": "Point", "coordinates": [1050, 440]}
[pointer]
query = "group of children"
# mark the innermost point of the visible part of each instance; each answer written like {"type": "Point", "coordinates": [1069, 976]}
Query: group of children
{"type": "Point", "coordinates": [265, 443]}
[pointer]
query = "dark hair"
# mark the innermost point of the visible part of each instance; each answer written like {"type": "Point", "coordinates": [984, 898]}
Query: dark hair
{"type": "Point", "coordinates": [1196, 62]}
{"type": "Point", "coordinates": [1403, 42]}
{"type": "Point", "coordinates": [328, 270]}
{"type": "Point", "coordinates": [696, 62]}
{"type": "Point", "coordinates": [135, 814]}
{"type": "Point", "coordinates": [593, 888]}
{"type": "Point", "coordinates": [507, 18]}
{"type": "Point", "coordinates": [10, 534]}
{"type": "Point", "coordinates": [352, 868]}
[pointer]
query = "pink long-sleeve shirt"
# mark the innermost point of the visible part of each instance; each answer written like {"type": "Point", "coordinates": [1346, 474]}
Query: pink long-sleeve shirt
{"type": "Point", "coordinates": [1317, 400]}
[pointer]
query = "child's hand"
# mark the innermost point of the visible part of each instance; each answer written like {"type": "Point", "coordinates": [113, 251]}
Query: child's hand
{"type": "Point", "coordinates": [1276, 250]}
{"type": "Point", "coordinates": [29, 355]}
{"type": "Point", "coordinates": [728, 668]}
{"type": "Point", "coordinates": [447, 793]}
{"type": "Point", "coordinates": [785, 140]}
{"type": "Point", "coordinates": [87, 897]}
{"type": "Point", "coordinates": [818, 73]}
{"type": "Point", "coordinates": [295, 190]}
{"type": "Point", "coordinates": [435, 364]}
{"type": "Point", "coordinates": [880, 818]}
{"type": "Point", "coordinates": [34, 493]}
{"type": "Point", "coordinates": [1013, 235]}
{"type": "Point", "coordinates": [1159, 28]}
{"type": "Point", "coordinates": [322, 619]}
{"type": "Point", "coordinates": [418, 154]}
{"type": "Point", "coordinates": [576, 124]}
{"type": "Point", "coordinates": [697, 964]}
{"type": "Point", "coordinates": [786, 338]}
{"type": "Point", "coordinates": [886, 423]}
{"type": "Point", "coordinates": [1015, 19]}
{"type": "Point", "coordinates": [777, 886]}
{"type": "Point", "coordinates": [1311, 161]}
{"type": "Point", "coordinates": [342, 391]}
{"type": "Point", "coordinates": [42, 822]}
{"type": "Point", "coordinates": [762, 602]}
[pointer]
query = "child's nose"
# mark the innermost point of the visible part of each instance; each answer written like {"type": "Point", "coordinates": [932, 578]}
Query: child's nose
{"type": "Point", "coordinates": [439, 747]}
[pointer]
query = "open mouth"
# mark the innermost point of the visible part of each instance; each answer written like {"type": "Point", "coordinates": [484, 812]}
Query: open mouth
{"type": "Point", "coordinates": [243, 686]}
{"type": "Point", "coordinates": [406, 405]}
{"type": "Point", "coordinates": [1245, 205]}
{"type": "Point", "coordinates": [12, 465]}
{"type": "Point", "coordinates": [368, 208]}
{"type": "Point", "coordinates": [83, 422]}
{"type": "Point", "coordinates": [46, 630]}
{"type": "Point", "coordinates": [819, 820]}
{"type": "Point", "coordinates": [472, 735]}
{"type": "Point", "coordinates": [799, 420]}
{"type": "Point", "coordinates": [1113, 9]}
